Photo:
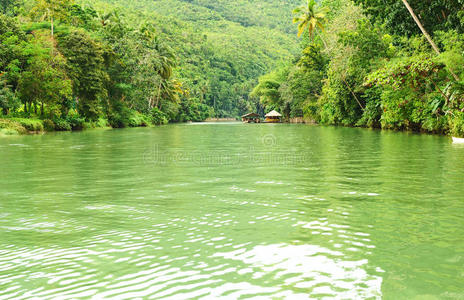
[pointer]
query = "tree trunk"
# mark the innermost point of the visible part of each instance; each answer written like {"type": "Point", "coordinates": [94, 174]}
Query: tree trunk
{"type": "Point", "coordinates": [351, 91]}
{"type": "Point", "coordinates": [344, 79]}
{"type": "Point", "coordinates": [418, 22]}
{"type": "Point", "coordinates": [426, 34]}
{"type": "Point", "coordinates": [159, 94]}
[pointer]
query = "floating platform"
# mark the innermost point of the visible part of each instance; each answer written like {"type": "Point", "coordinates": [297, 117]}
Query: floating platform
{"type": "Point", "coordinates": [458, 140]}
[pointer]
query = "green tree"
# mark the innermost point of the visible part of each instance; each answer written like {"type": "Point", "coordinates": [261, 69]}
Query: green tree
{"type": "Point", "coordinates": [268, 87]}
{"type": "Point", "coordinates": [12, 58]}
{"type": "Point", "coordinates": [45, 80]}
{"type": "Point", "coordinates": [85, 64]}
{"type": "Point", "coordinates": [426, 34]}
{"type": "Point", "coordinates": [436, 15]}
{"type": "Point", "coordinates": [52, 10]}
{"type": "Point", "coordinates": [7, 6]}
{"type": "Point", "coordinates": [309, 17]}
{"type": "Point", "coordinates": [8, 100]}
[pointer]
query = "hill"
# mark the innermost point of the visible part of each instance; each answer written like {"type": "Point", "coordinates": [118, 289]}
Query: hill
{"type": "Point", "coordinates": [222, 46]}
{"type": "Point", "coordinates": [77, 63]}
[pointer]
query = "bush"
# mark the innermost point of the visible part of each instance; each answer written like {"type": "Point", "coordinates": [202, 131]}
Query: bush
{"type": "Point", "coordinates": [62, 125]}
{"type": "Point", "coordinates": [119, 115]}
{"type": "Point", "coordinates": [8, 100]}
{"type": "Point", "coordinates": [118, 120]}
{"type": "Point", "coordinates": [76, 122]}
{"type": "Point", "coordinates": [139, 120]}
{"type": "Point", "coordinates": [48, 125]}
{"type": "Point", "coordinates": [8, 126]}
{"type": "Point", "coordinates": [456, 125]}
{"type": "Point", "coordinates": [158, 117]}
{"type": "Point", "coordinates": [30, 124]}
{"type": "Point", "coordinates": [101, 123]}
{"type": "Point", "coordinates": [8, 131]}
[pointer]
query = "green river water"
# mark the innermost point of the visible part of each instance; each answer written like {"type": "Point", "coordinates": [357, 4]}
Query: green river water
{"type": "Point", "coordinates": [231, 211]}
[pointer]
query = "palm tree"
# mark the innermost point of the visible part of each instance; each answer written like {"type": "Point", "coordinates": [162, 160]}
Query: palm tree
{"type": "Point", "coordinates": [309, 18]}
{"type": "Point", "coordinates": [106, 18]}
{"type": "Point", "coordinates": [166, 63]}
{"type": "Point", "coordinates": [312, 17]}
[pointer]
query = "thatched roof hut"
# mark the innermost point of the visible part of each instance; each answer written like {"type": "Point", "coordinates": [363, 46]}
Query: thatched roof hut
{"type": "Point", "coordinates": [251, 118]}
{"type": "Point", "coordinates": [273, 117]}
{"type": "Point", "coordinates": [273, 114]}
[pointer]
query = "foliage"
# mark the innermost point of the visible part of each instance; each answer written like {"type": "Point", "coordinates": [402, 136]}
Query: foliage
{"type": "Point", "coordinates": [107, 60]}
{"type": "Point", "coordinates": [8, 100]}
{"type": "Point", "coordinates": [158, 117]}
{"type": "Point", "coordinates": [29, 124]}
{"type": "Point", "coordinates": [48, 125]}
{"type": "Point", "coordinates": [9, 127]}
{"type": "Point", "coordinates": [44, 80]}
{"type": "Point", "coordinates": [360, 72]}
{"type": "Point", "coordinates": [75, 121]}
{"type": "Point", "coordinates": [61, 125]}
{"type": "Point", "coordinates": [139, 120]}
{"type": "Point", "coordinates": [9, 7]}
{"type": "Point", "coordinates": [85, 66]}
{"type": "Point", "coordinates": [268, 88]}
{"type": "Point", "coordinates": [436, 15]}
{"type": "Point", "coordinates": [136, 63]}
{"type": "Point", "coordinates": [309, 18]}
{"type": "Point", "coordinates": [456, 124]}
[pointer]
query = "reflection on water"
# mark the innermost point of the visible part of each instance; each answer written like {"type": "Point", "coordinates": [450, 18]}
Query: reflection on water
{"type": "Point", "coordinates": [366, 214]}
{"type": "Point", "coordinates": [308, 268]}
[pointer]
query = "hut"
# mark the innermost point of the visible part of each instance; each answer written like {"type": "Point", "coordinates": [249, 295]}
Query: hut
{"type": "Point", "coordinates": [273, 117]}
{"type": "Point", "coordinates": [251, 118]}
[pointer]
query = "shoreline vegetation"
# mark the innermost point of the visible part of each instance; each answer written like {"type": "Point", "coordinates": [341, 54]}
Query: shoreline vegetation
{"type": "Point", "coordinates": [27, 126]}
{"type": "Point", "coordinates": [68, 65]}
{"type": "Point", "coordinates": [396, 65]}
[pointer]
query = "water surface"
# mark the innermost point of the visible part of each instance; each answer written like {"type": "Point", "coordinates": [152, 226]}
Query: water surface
{"type": "Point", "coordinates": [231, 211]}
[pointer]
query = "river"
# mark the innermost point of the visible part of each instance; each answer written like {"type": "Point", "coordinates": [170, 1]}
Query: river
{"type": "Point", "coordinates": [229, 210]}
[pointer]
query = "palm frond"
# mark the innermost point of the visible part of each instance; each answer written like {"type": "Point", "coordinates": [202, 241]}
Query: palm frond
{"type": "Point", "coordinates": [301, 28]}
{"type": "Point", "coordinates": [298, 10]}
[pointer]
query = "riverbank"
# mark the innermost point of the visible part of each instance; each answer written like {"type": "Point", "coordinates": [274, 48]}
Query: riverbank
{"type": "Point", "coordinates": [16, 126]}
{"type": "Point", "coordinates": [221, 120]}
{"type": "Point", "coordinates": [24, 126]}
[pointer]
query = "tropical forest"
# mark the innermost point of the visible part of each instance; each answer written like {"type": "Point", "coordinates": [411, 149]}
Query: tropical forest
{"type": "Point", "coordinates": [68, 65]}
{"type": "Point", "coordinates": [231, 149]}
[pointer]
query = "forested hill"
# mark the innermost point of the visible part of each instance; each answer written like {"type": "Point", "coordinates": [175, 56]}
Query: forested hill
{"type": "Point", "coordinates": [222, 46]}
{"type": "Point", "coordinates": [263, 13]}
{"type": "Point", "coordinates": [70, 64]}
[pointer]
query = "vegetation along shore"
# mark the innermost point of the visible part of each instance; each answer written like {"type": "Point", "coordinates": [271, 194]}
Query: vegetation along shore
{"type": "Point", "coordinates": [70, 65]}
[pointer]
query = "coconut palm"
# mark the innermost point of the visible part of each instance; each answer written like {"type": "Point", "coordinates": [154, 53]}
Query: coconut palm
{"type": "Point", "coordinates": [309, 17]}
{"type": "Point", "coordinates": [166, 57]}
